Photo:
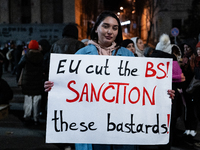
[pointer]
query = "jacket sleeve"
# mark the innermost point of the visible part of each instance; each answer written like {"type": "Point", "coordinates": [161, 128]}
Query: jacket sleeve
{"type": "Point", "coordinates": [176, 72]}
{"type": "Point", "coordinates": [19, 66]}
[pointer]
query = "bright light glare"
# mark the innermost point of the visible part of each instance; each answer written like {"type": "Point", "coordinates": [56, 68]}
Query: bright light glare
{"type": "Point", "coordinates": [125, 23]}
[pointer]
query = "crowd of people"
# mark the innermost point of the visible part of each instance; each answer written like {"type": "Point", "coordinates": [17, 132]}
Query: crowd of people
{"type": "Point", "coordinates": [30, 63]}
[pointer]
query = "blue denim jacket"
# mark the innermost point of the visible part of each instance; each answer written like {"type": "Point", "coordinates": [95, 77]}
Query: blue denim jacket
{"type": "Point", "coordinates": [92, 50]}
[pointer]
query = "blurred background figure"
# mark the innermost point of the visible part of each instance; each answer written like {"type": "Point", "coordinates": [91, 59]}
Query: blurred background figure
{"type": "Point", "coordinates": [32, 81]}
{"type": "Point", "coordinates": [6, 61]}
{"type": "Point", "coordinates": [139, 46]}
{"type": "Point", "coordinates": [69, 44]}
{"type": "Point", "coordinates": [129, 44]}
{"type": "Point", "coordinates": [17, 54]}
{"type": "Point", "coordinates": [177, 52]}
{"type": "Point", "coordinates": [44, 47]}
{"type": "Point", "coordinates": [187, 66]}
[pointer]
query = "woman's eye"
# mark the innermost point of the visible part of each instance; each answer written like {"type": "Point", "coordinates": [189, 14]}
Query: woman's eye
{"type": "Point", "coordinates": [115, 28]}
{"type": "Point", "coordinates": [105, 26]}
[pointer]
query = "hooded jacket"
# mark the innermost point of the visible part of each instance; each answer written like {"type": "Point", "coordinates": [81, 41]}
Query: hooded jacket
{"type": "Point", "coordinates": [137, 50]}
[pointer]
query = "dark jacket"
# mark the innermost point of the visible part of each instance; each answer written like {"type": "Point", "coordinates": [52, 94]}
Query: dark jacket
{"type": "Point", "coordinates": [32, 77]}
{"type": "Point", "coordinates": [161, 54]}
{"type": "Point", "coordinates": [66, 45]}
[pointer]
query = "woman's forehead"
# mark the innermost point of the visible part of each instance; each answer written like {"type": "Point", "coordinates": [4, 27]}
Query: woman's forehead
{"type": "Point", "coordinates": [110, 20]}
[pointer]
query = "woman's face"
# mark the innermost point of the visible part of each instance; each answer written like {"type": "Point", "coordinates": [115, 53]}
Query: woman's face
{"type": "Point", "coordinates": [198, 51]}
{"type": "Point", "coordinates": [140, 44]}
{"type": "Point", "coordinates": [131, 47]}
{"type": "Point", "coordinates": [107, 31]}
{"type": "Point", "coordinates": [187, 49]}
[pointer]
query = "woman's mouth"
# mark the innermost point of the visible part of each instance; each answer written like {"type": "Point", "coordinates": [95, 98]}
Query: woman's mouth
{"type": "Point", "coordinates": [108, 37]}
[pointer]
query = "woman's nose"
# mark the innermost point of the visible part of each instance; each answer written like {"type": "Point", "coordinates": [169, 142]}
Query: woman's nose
{"type": "Point", "coordinates": [110, 30]}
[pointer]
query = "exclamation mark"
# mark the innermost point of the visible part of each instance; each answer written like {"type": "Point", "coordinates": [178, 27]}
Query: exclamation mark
{"type": "Point", "coordinates": [167, 68]}
{"type": "Point", "coordinates": [168, 119]}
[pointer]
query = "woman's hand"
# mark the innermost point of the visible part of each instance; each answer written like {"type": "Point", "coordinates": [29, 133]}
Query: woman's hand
{"type": "Point", "coordinates": [182, 77]}
{"type": "Point", "coordinates": [171, 93]}
{"type": "Point", "coordinates": [48, 85]}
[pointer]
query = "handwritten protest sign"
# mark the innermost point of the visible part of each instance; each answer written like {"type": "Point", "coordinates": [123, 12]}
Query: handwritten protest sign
{"type": "Point", "coordinates": [109, 100]}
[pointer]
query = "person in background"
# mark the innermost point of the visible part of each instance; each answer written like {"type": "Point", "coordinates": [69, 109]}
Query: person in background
{"type": "Point", "coordinates": [139, 46]}
{"type": "Point", "coordinates": [196, 92]}
{"type": "Point", "coordinates": [187, 66]}
{"type": "Point", "coordinates": [177, 52]}
{"type": "Point", "coordinates": [10, 55]}
{"type": "Point", "coordinates": [32, 81]}
{"type": "Point", "coordinates": [17, 54]}
{"type": "Point", "coordinates": [44, 47]}
{"type": "Point", "coordinates": [129, 45]}
{"type": "Point", "coordinates": [2, 59]}
{"type": "Point", "coordinates": [148, 51]}
{"type": "Point", "coordinates": [106, 39]}
{"type": "Point", "coordinates": [85, 41]}
{"type": "Point", "coordinates": [25, 48]}
{"type": "Point", "coordinates": [69, 44]}
{"type": "Point", "coordinates": [6, 61]}
{"type": "Point", "coordinates": [164, 50]}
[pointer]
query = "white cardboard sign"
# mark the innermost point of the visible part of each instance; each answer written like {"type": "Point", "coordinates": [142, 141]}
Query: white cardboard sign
{"type": "Point", "coordinates": [109, 100]}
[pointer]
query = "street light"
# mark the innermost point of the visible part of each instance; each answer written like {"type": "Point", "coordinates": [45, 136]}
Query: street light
{"type": "Point", "coordinates": [121, 8]}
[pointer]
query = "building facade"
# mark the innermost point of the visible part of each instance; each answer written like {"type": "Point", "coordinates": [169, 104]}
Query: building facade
{"type": "Point", "coordinates": [164, 15]}
{"type": "Point", "coordinates": [42, 19]}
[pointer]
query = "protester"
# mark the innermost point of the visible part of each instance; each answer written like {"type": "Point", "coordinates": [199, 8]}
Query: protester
{"type": "Point", "coordinates": [6, 61]}
{"type": "Point", "coordinates": [17, 54]}
{"type": "Point", "coordinates": [10, 55]}
{"type": "Point", "coordinates": [2, 59]}
{"type": "Point", "coordinates": [106, 38]}
{"type": "Point", "coordinates": [69, 44]}
{"type": "Point", "coordinates": [196, 90]}
{"type": "Point", "coordinates": [177, 52]}
{"type": "Point", "coordinates": [139, 46]}
{"type": "Point", "coordinates": [129, 45]}
{"type": "Point", "coordinates": [164, 50]}
{"type": "Point", "coordinates": [44, 47]}
{"type": "Point", "coordinates": [187, 66]}
{"type": "Point", "coordinates": [32, 81]}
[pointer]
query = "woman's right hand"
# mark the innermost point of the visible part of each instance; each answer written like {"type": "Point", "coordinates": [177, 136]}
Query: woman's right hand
{"type": "Point", "coordinates": [48, 85]}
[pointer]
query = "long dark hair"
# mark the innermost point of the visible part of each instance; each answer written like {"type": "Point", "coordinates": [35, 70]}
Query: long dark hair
{"type": "Point", "coordinates": [100, 18]}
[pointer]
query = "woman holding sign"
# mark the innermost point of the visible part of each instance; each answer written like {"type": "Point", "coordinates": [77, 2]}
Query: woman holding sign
{"type": "Point", "coordinates": [106, 38]}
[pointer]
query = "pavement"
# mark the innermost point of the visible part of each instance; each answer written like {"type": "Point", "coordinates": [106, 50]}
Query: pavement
{"type": "Point", "coordinates": [15, 135]}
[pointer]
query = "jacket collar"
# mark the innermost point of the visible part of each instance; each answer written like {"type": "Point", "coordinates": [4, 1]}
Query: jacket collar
{"type": "Point", "coordinates": [93, 50]}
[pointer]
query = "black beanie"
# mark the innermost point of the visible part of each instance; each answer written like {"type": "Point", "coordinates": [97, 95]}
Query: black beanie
{"type": "Point", "coordinates": [70, 30]}
{"type": "Point", "coordinates": [126, 42]}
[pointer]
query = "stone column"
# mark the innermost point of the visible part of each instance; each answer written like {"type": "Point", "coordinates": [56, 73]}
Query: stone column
{"type": "Point", "coordinates": [68, 11]}
{"type": "Point", "coordinates": [35, 11]}
{"type": "Point", "coordinates": [4, 11]}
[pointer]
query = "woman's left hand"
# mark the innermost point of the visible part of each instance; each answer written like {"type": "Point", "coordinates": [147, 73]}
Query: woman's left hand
{"type": "Point", "coordinates": [171, 93]}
